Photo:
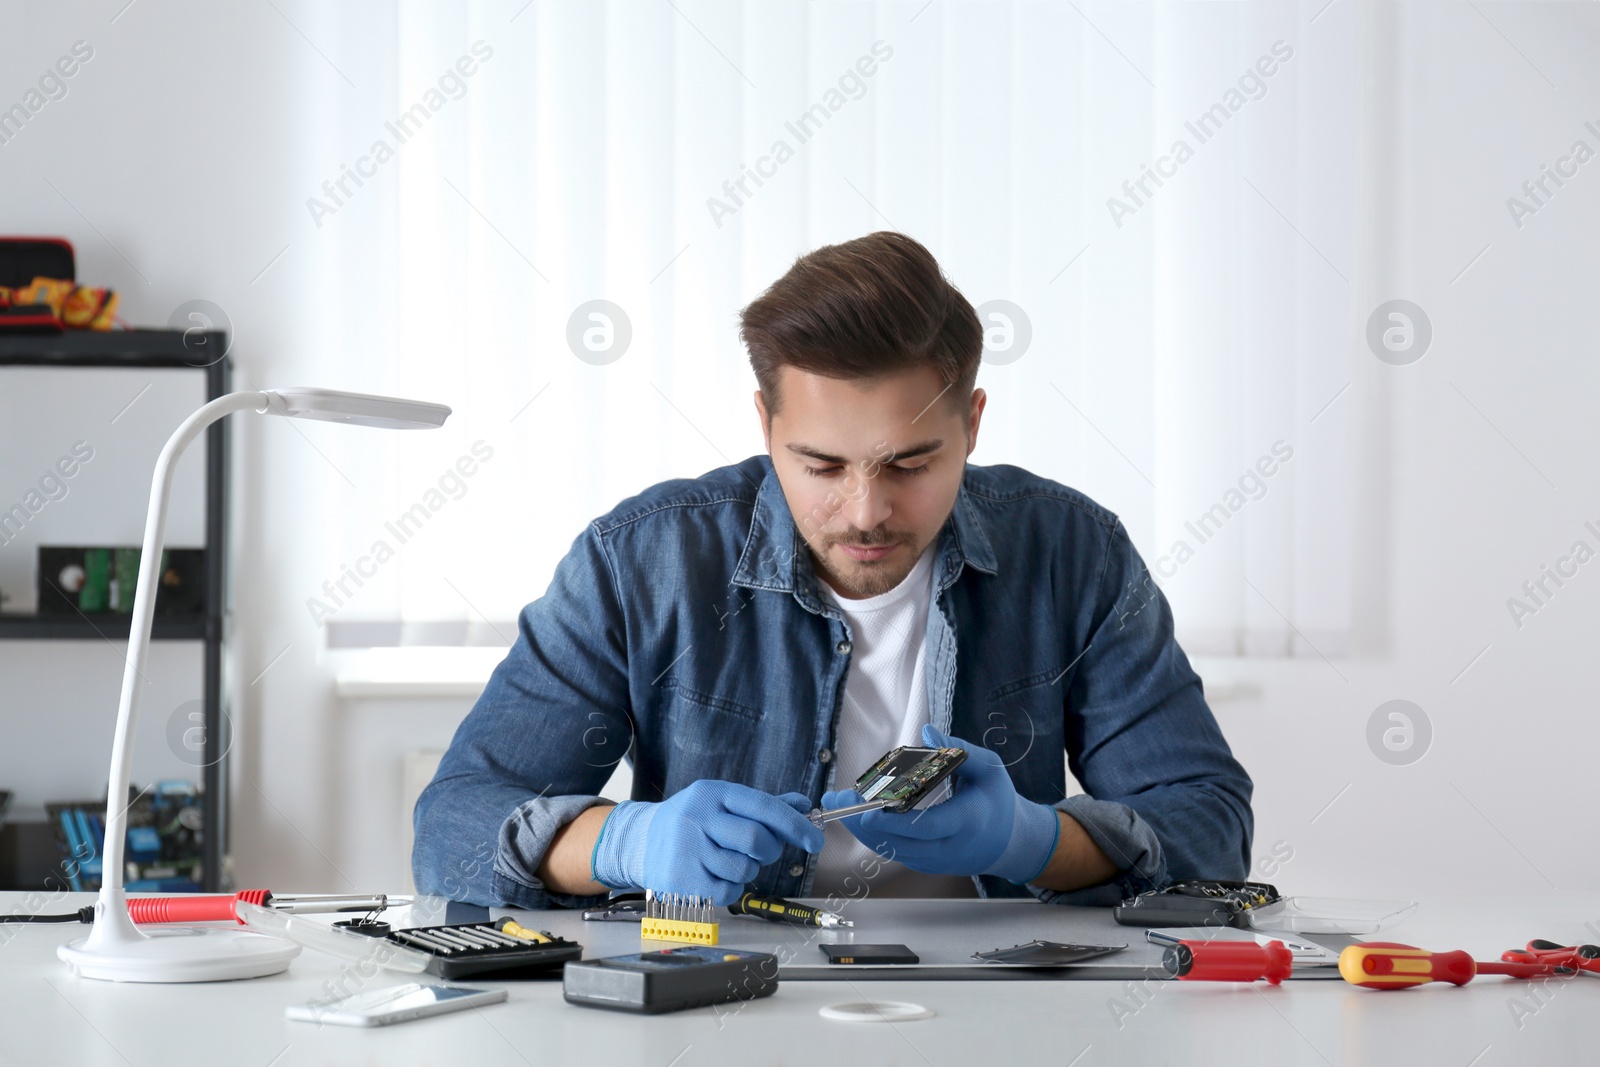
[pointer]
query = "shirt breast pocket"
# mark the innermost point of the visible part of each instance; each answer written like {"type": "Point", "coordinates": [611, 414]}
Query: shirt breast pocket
{"type": "Point", "coordinates": [712, 737]}
{"type": "Point", "coordinates": [1022, 724]}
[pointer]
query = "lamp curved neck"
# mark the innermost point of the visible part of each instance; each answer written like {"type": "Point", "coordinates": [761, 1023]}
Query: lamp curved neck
{"type": "Point", "coordinates": [111, 911]}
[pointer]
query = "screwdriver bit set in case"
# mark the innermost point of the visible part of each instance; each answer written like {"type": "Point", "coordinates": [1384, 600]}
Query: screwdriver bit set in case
{"type": "Point", "coordinates": [477, 948]}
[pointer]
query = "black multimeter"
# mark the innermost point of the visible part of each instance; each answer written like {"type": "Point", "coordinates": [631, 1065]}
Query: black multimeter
{"type": "Point", "coordinates": [691, 976]}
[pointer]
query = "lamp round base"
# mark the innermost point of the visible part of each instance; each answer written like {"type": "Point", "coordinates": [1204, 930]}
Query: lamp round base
{"type": "Point", "coordinates": [183, 954]}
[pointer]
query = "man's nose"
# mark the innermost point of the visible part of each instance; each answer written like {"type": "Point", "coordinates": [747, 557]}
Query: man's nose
{"type": "Point", "coordinates": [869, 507]}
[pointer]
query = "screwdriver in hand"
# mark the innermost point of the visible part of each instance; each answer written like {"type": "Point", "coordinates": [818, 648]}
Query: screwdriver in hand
{"type": "Point", "coordinates": [820, 817]}
{"type": "Point", "coordinates": [1387, 965]}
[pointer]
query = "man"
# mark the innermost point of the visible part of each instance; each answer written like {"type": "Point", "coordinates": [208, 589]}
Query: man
{"type": "Point", "coordinates": [754, 639]}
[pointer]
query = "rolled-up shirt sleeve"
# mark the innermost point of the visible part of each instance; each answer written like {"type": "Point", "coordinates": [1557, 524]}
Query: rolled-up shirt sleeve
{"type": "Point", "coordinates": [1163, 798]}
{"type": "Point", "coordinates": [536, 748]}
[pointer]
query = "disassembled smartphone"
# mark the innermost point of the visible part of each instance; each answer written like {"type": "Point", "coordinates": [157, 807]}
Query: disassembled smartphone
{"type": "Point", "coordinates": [395, 1004]}
{"type": "Point", "coordinates": [1037, 953]}
{"type": "Point", "coordinates": [898, 781]}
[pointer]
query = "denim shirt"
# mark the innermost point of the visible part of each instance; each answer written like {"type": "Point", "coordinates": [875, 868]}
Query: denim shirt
{"type": "Point", "coordinates": [685, 631]}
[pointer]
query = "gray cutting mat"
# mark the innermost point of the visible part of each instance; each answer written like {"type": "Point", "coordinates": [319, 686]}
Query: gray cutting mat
{"type": "Point", "coordinates": [944, 933]}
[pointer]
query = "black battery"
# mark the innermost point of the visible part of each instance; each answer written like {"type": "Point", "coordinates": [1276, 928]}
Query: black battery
{"type": "Point", "coordinates": [692, 976]}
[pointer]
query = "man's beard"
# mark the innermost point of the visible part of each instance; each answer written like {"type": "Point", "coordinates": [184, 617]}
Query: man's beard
{"type": "Point", "coordinates": [866, 579]}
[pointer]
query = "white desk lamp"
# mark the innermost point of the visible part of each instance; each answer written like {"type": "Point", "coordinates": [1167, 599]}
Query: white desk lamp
{"type": "Point", "coordinates": [115, 949]}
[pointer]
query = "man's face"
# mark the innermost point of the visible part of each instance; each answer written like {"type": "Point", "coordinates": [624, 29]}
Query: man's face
{"type": "Point", "coordinates": [870, 469]}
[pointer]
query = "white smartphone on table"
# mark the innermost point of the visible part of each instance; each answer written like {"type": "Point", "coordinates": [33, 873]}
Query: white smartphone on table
{"type": "Point", "coordinates": [393, 1004]}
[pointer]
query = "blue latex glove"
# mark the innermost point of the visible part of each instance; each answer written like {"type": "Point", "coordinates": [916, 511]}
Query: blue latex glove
{"type": "Point", "coordinates": [708, 839]}
{"type": "Point", "coordinates": [984, 828]}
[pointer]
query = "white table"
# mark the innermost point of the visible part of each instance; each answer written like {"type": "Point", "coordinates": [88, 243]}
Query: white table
{"type": "Point", "coordinates": [49, 1017]}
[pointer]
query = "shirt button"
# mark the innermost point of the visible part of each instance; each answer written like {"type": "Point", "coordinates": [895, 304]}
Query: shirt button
{"type": "Point", "coordinates": [843, 648]}
{"type": "Point", "coordinates": [824, 755]}
{"type": "Point", "coordinates": [797, 870]}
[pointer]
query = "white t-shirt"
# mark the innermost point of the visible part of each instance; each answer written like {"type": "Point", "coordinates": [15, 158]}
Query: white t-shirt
{"type": "Point", "coordinates": [885, 704]}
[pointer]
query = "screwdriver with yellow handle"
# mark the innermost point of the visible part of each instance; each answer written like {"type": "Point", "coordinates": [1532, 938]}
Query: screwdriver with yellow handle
{"type": "Point", "coordinates": [779, 910]}
{"type": "Point", "coordinates": [1387, 965]}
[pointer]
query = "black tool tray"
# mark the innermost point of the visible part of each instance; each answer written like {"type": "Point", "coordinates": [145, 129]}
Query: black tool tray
{"type": "Point", "coordinates": [466, 957]}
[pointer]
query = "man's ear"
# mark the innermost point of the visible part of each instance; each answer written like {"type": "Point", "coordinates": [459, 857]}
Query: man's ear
{"type": "Point", "coordinates": [766, 423]}
{"type": "Point", "coordinates": [974, 417]}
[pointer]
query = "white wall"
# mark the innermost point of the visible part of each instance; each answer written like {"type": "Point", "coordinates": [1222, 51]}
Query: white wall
{"type": "Point", "coordinates": [188, 145]}
{"type": "Point", "coordinates": [182, 153]}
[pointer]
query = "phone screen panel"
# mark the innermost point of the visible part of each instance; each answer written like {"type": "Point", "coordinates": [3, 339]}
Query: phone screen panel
{"type": "Point", "coordinates": [393, 1004]}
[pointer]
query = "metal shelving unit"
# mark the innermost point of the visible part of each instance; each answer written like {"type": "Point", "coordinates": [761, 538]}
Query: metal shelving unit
{"type": "Point", "coordinates": [158, 349]}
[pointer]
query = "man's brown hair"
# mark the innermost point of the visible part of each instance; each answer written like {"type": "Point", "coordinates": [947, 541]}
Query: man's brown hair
{"type": "Point", "coordinates": [864, 308]}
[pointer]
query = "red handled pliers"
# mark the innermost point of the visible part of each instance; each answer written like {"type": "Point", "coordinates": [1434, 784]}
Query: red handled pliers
{"type": "Point", "coordinates": [1584, 959]}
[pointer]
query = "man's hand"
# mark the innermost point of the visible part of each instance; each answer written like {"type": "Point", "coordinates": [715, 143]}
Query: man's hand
{"type": "Point", "coordinates": [708, 839]}
{"type": "Point", "coordinates": [984, 828]}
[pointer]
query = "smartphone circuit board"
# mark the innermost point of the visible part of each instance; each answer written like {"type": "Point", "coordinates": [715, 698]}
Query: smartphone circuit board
{"type": "Point", "coordinates": [906, 775]}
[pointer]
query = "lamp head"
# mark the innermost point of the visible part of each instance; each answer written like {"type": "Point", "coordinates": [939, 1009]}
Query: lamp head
{"type": "Point", "coordinates": [115, 950]}
{"type": "Point", "coordinates": [356, 409]}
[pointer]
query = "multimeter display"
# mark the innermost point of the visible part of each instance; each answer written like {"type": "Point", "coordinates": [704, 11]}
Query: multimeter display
{"type": "Point", "coordinates": [692, 976]}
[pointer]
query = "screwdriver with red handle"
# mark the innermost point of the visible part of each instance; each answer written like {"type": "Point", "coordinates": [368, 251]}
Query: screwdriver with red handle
{"type": "Point", "coordinates": [1387, 965]}
{"type": "Point", "coordinates": [1228, 961]}
{"type": "Point", "coordinates": [210, 907]}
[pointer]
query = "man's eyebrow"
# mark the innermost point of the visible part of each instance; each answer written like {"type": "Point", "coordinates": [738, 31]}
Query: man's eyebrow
{"type": "Point", "coordinates": [922, 448]}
